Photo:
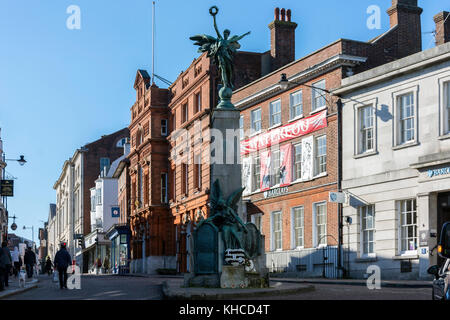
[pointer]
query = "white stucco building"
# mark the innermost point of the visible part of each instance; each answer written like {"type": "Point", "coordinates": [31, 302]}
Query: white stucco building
{"type": "Point", "coordinates": [105, 213]}
{"type": "Point", "coordinates": [396, 164]}
{"type": "Point", "coordinates": [68, 216]}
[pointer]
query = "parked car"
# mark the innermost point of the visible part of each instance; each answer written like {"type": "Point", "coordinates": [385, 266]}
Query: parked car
{"type": "Point", "coordinates": [441, 287]}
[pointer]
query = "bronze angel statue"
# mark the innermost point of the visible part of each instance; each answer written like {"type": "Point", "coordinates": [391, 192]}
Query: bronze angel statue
{"type": "Point", "coordinates": [221, 49]}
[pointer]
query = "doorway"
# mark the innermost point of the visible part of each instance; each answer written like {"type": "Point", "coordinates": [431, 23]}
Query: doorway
{"type": "Point", "coordinates": [443, 216]}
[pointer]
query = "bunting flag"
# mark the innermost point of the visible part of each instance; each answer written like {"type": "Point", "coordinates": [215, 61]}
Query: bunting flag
{"type": "Point", "coordinates": [307, 158]}
{"type": "Point", "coordinates": [266, 160]}
{"type": "Point", "coordinates": [286, 165]}
{"type": "Point", "coordinates": [287, 132]}
{"type": "Point", "coordinates": [247, 175]}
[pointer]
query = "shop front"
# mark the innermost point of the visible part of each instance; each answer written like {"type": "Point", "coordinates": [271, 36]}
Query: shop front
{"type": "Point", "coordinates": [119, 235]}
{"type": "Point", "coordinates": [97, 253]}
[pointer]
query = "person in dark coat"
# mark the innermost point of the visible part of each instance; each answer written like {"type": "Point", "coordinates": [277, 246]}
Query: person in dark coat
{"type": "Point", "coordinates": [8, 262]}
{"type": "Point", "coordinates": [62, 262]}
{"type": "Point", "coordinates": [2, 269]}
{"type": "Point", "coordinates": [30, 261]}
{"type": "Point", "coordinates": [48, 266]}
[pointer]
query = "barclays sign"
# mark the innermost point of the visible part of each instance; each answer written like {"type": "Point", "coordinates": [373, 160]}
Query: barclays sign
{"type": "Point", "coordinates": [438, 172]}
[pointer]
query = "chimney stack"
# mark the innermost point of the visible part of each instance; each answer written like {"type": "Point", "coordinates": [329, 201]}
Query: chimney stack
{"type": "Point", "coordinates": [405, 15]}
{"type": "Point", "coordinates": [442, 21]}
{"type": "Point", "coordinates": [282, 39]}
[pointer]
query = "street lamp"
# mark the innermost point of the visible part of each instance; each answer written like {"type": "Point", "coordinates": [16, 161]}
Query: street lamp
{"type": "Point", "coordinates": [32, 231]}
{"type": "Point", "coordinates": [21, 160]}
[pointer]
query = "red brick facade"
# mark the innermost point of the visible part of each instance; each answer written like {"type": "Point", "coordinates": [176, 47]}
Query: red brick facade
{"type": "Point", "coordinates": [329, 65]}
{"type": "Point", "coordinates": [106, 147]}
{"type": "Point", "coordinates": [150, 220]}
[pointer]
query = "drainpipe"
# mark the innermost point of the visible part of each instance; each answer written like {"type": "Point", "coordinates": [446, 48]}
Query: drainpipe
{"type": "Point", "coordinates": [340, 215]}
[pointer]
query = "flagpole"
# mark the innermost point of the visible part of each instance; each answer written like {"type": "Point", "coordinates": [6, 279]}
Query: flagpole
{"type": "Point", "coordinates": [153, 43]}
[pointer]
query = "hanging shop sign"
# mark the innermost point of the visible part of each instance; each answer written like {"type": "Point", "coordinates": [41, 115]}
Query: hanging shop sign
{"type": "Point", "coordinates": [7, 188]}
{"type": "Point", "coordinates": [115, 212]}
{"type": "Point", "coordinates": [287, 132]}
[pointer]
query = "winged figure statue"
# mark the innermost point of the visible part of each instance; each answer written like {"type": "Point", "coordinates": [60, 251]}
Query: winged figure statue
{"type": "Point", "coordinates": [221, 49]}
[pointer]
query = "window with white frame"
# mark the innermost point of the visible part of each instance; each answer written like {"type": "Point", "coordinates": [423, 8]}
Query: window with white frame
{"type": "Point", "coordinates": [408, 225]}
{"type": "Point", "coordinates": [298, 225]}
{"type": "Point", "coordinates": [164, 127]}
{"type": "Point", "coordinates": [298, 161]}
{"type": "Point", "coordinates": [406, 120]}
{"type": "Point", "coordinates": [318, 96]}
{"type": "Point", "coordinates": [98, 195]}
{"type": "Point", "coordinates": [256, 120]}
{"type": "Point", "coordinates": [275, 113]}
{"type": "Point", "coordinates": [320, 155]}
{"type": "Point", "coordinates": [296, 104]}
{"type": "Point", "coordinates": [320, 215]}
{"type": "Point", "coordinates": [256, 174]}
{"type": "Point", "coordinates": [366, 138]}
{"type": "Point", "coordinates": [276, 168]}
{"type": "Point", "coordinates": [447, 106]}
{"type": "Point", "coordinates": [93, 202]}
{"type": "Point", "coordinates": [198, 102]}
{"type": "Point", "coordinates": [367, 234]}
{"type": "Point", "coordinates": [241, 127]}
{"type": "Point", "coordinates": [276, 231]}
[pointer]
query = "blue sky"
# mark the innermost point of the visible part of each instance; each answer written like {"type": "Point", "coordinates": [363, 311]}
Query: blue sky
{"type": "Point", "coordinates": [61, 88]}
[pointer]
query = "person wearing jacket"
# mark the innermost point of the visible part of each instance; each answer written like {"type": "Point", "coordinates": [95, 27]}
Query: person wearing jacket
{"type": "Point", "coordinates": [16, 261]}
{"type": "Point", "coordinates": [3, 261]}
{"type": "Point", "coordinates": [30, 261]}
{"type": "Point", "coordinates": [62, 262]}
{"type": "Point", "coordinates": [48, 266]}
{"type": "Point", "coordinates": [8, 261]}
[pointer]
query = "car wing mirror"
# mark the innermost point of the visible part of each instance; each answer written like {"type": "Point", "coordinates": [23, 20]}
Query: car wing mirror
{"type": "Point", "coordinates": [434, 270]}
{"type": "Point", "coordinates": [444, 243]}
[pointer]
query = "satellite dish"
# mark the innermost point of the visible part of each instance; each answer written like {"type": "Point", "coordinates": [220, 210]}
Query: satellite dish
{"type": "Point", "coordinates": [13, 226]}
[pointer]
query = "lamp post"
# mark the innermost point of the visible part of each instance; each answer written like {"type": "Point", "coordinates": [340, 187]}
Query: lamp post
{"type": "Point", "coordinates": [21, 162]}
{"type": "Point", "coordinates": [32, 231]}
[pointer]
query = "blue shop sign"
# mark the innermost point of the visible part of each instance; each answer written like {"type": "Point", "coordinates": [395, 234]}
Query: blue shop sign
{"type": "Point", "coordinates": [115, 212]}
{"type": "Point", "coordinates": [438, 172]}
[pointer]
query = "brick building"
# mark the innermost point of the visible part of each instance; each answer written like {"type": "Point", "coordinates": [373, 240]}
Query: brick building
{"type": "Point", "coordinates": [78, 175]}
{"type": "Point", "coordinates": [193, 95]}
{"type": "Point", "coordinates": [152, 227]}
{"type": "Point", "coordinates": [290, 131]}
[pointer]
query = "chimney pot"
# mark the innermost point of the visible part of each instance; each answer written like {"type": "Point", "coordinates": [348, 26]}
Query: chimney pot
{"type": "Point", "coordinates": [288, 15]}
{"type": "Point", "coordinates": [283, 14]}
{"type": "Point", "coordinates": [277, 14]}
{"type": "Point", "coordinates": [442, 21]}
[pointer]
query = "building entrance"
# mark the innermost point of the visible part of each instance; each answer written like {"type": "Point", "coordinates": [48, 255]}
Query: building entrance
{"type": "Point", "coordinates": [443, 212]}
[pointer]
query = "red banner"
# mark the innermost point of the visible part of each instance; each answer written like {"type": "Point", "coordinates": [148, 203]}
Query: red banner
{"type": "Point", "coordinates": [266, 161]}
{"type": "Point", "coordinates": [285, 133]}
{"type": "Point", "coordinates": [286, 165]}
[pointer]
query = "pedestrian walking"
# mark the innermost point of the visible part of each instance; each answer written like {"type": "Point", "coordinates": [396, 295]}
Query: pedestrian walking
{"type": "Point", "coordinates": [62, 262]}
{"type": "Point", "coordinates": [30, 261]}
{"type": "Point", "coordinates": [2, 269]}
{"type": "Point", "coordinates": [8, 262]}
{"type": "Point", "coordinates": [106, 264]}
{"type": "Point", "coordinates": [16, 261]}
{"type": "Point", "coordinates": [48, 266]}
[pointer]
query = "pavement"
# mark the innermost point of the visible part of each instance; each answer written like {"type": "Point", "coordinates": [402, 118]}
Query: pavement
{"type": "Point", "coordinates": [157, 287]}
{"type": "Point", "coordinates": [14, 287]}
{"type": "Point", "coordinates": [358, 282]}
{"type": "Point", "coordinates": [173, 290]}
